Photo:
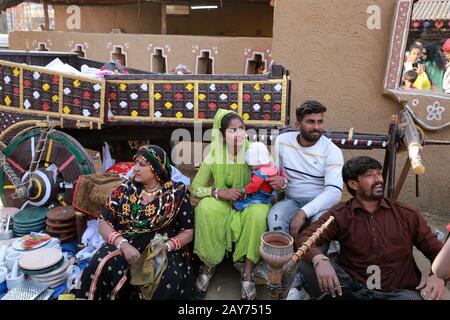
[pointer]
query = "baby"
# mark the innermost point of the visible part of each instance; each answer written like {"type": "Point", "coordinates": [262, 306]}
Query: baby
{"type": "Point", "coordinates": [258, 189]}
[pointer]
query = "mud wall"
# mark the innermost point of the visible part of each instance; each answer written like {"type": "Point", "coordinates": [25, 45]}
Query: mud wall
{"type": "Point", "coordinates": [228, 54]}
{"type": "Point", "coordinates": [232, 19]}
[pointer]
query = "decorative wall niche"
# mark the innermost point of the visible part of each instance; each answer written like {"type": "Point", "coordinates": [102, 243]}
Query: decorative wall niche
{"type": "Point", "coordinates": [118, 55]}
{"type": "Point", "coordinates": [205, 64]}
{"type": "Point", "coordinates": [256, 65]}
{"type": "Point", "coordinates": [79, 51]}
{"type": "Point", "coordinates": [159, 61]}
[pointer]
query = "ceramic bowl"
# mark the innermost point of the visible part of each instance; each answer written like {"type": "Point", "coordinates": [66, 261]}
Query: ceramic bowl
{"type": "Point", "coordinates": [5, 235]}
{"type": "Point", "coordinates": [14, 282]}
{"type": "Point", "coordinates": [11, 258]}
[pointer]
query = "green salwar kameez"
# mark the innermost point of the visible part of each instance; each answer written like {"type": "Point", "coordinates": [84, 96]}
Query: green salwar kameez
{"type": "Point", "coordinates": [217, 224]}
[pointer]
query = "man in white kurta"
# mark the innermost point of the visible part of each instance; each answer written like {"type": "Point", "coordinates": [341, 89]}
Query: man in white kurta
{"type": "Point", "coordinates": [312, 167]}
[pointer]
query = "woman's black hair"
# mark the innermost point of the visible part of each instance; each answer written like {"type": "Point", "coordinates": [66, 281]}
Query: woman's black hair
{"type": "Point", "coordinates": [226, 121]}
{"type": "Point", "coordinates": [433, 54]}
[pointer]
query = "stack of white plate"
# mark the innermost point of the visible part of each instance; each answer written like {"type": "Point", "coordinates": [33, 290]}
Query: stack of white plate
{"type": "Point", "coordinates": [45, 266]}
{"type": "Point", "coordinates": [53, 279]}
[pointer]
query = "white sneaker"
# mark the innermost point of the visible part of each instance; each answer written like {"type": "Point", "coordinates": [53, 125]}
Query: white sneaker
{"type": "Point", "coordinates": [295, 294]}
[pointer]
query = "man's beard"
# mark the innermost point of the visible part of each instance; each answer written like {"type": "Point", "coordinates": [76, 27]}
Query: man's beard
{"type": "Point", "coordinates": [309, 137]}
{"type": "Point", "coordinates": [372, 195]}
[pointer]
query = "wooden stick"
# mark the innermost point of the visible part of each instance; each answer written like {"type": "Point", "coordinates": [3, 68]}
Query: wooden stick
{"type": "Point", "coordinates": [46, 19]}
{"type": "Point", "coordinates": [163, 17]}
{"type": "Point", "coordinates": [402, 179]}
{"type": "Point", "coordinates": [393, 141]}
{"type": "Point", "coordinates": [307, 245]}
{"type": "Point", "coordinates": [280, 292]}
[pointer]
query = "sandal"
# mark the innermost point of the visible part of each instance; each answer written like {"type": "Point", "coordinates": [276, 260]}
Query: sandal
{"type": "Point", "coordinates": [203, 280]}
{"type": "Point", "coordinates": [248, 291]}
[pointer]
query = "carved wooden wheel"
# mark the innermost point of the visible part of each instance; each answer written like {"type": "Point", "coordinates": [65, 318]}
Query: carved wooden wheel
{"type": "Point", "coordinates": [62, 161]}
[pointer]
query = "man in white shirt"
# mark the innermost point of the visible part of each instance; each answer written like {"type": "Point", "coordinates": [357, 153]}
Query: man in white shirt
{"type": "Point", "coordinates": [312, 168]}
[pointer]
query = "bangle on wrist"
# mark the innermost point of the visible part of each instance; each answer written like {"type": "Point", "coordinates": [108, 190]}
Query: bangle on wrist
{"type": "Point", "coordinates": [284, 185]}
{"type": "Point", "coordinates": [169, 248]}
{"type": "Point", "coordinates": [216, 193]}
{"type": "Point", "coordinates": [176, 242]}
{"type": "Point", "coordinates": [316, 263]}
{"type": "Point", "coordinates": [120, 243]}
{"type": "Point", "coordinates": [112, 237]}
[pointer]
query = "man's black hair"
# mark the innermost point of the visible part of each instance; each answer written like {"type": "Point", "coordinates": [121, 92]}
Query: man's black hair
{"type": "Point", "coordinates": [308, 107]}
{"type": "Point", "coordinates": [357, 166]}
{"type": "Point", "coordinates": [415, 46]}
{"type": "Point", "coordinates": [410, 75]}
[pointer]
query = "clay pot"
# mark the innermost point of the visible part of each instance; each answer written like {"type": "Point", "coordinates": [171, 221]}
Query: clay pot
{"type": "Point", "coordinates": [276, 248]}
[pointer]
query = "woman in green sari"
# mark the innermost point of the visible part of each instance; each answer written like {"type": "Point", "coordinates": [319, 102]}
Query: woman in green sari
{"type": "Point", "coordinates": [217, 224]}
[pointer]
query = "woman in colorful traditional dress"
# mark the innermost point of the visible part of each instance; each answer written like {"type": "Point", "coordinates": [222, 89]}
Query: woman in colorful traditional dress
{"type": "Point", "coordinates": [146, 223]}
{"type": "Point", "coordinates": [217, 224]}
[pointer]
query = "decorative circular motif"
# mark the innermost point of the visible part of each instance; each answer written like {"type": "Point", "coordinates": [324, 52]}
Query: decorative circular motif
{"type": "Point", "coordinates": [435, 111]}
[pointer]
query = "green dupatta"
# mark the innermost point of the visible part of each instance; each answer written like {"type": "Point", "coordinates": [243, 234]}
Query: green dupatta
{"type": "Point", "coordinates": [217, 164]}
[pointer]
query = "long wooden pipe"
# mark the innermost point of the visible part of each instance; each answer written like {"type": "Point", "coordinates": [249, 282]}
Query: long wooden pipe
{"type": "Point", "coordinates": [291, 266]}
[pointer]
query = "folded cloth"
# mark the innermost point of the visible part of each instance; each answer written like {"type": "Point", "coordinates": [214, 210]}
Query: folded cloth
{"type": "Point", "coordinates": [91, 239]}
{"type": "Point", "coordinates": [146, 273]}
{"type": "Point", "coordinates": [177, 176]}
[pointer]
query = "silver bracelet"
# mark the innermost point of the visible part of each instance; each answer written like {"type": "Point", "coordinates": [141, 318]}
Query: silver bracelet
{"type": "Point", "coordinates": [285, 184]}
{"type": "Point", "coordinates": [216, 193]}
{"type": "Point", "coordinates": [168, 246]}
{"type": "Point", "coordinates": [119, 244]}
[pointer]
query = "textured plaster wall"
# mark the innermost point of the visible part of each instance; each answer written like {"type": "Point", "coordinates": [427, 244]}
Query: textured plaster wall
{"type": "Point", "coordinates": [232, 19]}
{"type": "Point", "coordinates": [145, 18]}
{"type": "Point", "coordinates": [335, 58]}
{"type": "Point", "coordinates": [229, 54]}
